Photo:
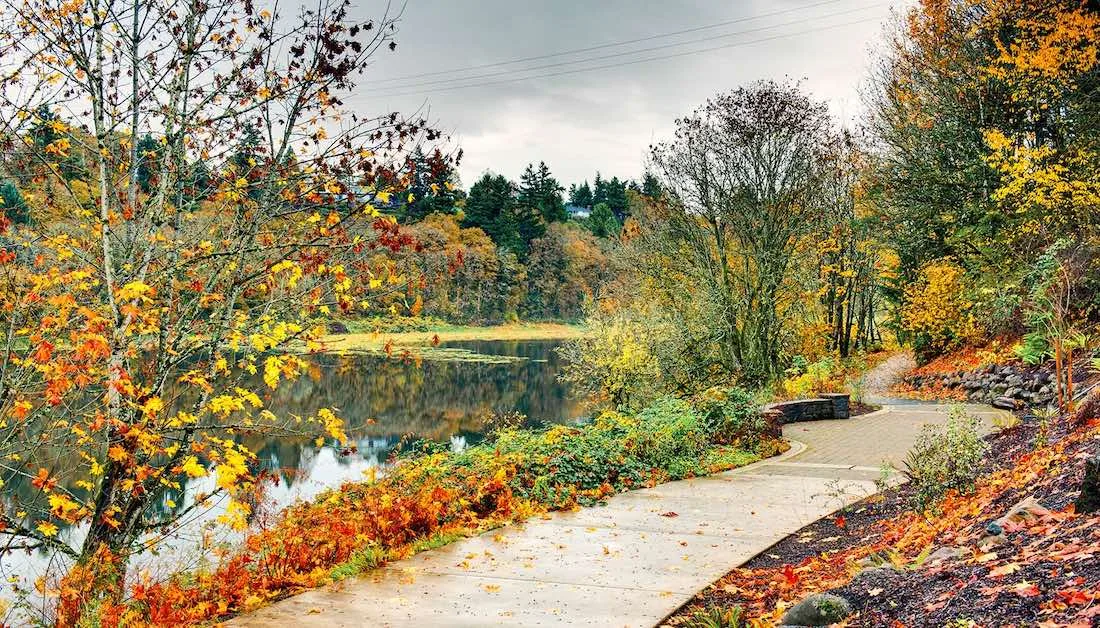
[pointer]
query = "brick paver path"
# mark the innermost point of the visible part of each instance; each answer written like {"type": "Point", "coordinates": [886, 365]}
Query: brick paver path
{"type": "Point", "coordinates": [631, 562]}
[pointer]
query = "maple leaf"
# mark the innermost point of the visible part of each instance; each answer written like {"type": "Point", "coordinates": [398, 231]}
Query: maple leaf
{"type": "Point", "coordinates": [789, 576]}
{"type": "Point", "coordinates": [43, 481]}
{"type": "Point", "coordinates": [1026, 589]}
{"type": "Point", "coordinates": [1004, 570]}
{"type": "Point", "coordinates": [1075, 597]}
{"type": "Point", "coordinates": [47, 528]}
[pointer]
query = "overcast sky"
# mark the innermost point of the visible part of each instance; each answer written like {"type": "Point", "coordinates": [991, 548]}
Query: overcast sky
{"type": "Point", "coordinates": [605, 118]}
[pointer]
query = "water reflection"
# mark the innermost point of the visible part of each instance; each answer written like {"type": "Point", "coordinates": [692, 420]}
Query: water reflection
{"type": "Point", "coordinates": [382, 401]}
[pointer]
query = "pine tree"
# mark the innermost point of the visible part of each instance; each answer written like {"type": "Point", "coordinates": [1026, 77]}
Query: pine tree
{"type": "Point", "coordinates": [616, 198]}
{"type": "Point", "coordinates": [599, 190]}
{"type": "Point", "coordinates": [432, 186]}
{"type": "Point", "coordinates": [491, 207]}
{"type": "Point", "coordinates": [651, 187]}
{"type": "Point", "coordinates": [148, 150]}
{"type": "Point", "coordinates": [12, 204]}
{"type": "Point", "coordinates": [540, 190]}
{"type": "Point", "coordinates": [581, 195]}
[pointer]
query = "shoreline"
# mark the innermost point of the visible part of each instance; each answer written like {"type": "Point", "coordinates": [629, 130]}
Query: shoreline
{"type": "Point", "coordinates": [377, 340]}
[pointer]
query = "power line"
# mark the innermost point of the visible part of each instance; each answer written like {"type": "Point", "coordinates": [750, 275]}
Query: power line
{"type": "Point", "coordinates": [637, 61]}
{"type": "Point", "coordinates": [627, 53]}
{"type": "Point", "coordinates": [604, 46]}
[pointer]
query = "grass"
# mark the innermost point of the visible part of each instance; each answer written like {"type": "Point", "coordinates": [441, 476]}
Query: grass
{"type": "Point", "coordinates": [361, 338]}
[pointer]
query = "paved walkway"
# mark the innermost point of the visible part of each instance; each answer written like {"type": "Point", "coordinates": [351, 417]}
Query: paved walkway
{"type": "Point", "coordinates": [631, 562]}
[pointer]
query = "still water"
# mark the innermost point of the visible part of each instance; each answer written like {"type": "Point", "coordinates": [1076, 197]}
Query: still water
{"type": "Point", "coordinates": [384, 401]}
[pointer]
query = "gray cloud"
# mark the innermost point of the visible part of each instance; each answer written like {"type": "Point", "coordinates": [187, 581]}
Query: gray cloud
{"type": "Point", "coordinates": [604, 119]}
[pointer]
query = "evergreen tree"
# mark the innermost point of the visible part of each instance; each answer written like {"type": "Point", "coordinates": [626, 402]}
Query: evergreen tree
{"type": "Point", "coordinates": [490, 207]}
{"type": "Point", "coordinates": [42, 131]}
{"type": "Point", "coordinates": [529, 226]}
{"type": "Point", "coordinates": [433, 184]}
{"type": "Point", "coordinates": [540, 190]}
{"type": "Point", "coordinates": [12, 204]}
{"type": "Point", "coordinates": [599, 190]}
{"type": "Point", "coordinates": [149, 154]}
{"type": "Point", "coordinates": [602, 223]}
{"type": "Point", "coordinates": [580, 195]}
{"type": "Point", "coordinates": [616, 198]}
{"type": "Point", "coordinates": [651, 187]}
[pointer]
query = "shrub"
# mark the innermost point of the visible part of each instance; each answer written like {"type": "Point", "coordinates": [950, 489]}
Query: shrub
{"type": "Point", "coordinates": [937, 311]}
{"type": "Point", "coordinates": [731, 416]}
{"type": "Point", "coordinates": [945, 458]}
{"type": "Point", "coordinates": [717, 617]}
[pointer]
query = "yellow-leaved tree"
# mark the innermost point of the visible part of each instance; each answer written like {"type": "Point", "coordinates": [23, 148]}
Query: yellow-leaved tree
{"type": "Point", "coordinates": [200, 202]}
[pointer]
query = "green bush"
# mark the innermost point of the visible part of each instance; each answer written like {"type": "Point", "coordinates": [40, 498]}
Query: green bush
{"type": "Point", "coordinates": [731, 416]}
{"type": "Point", "coordinates": [670, 439]}
{"type": "Point", "coordinates": [945, 457]}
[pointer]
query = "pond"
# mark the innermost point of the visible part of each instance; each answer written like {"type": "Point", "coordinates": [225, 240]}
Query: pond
{"type": "Point", "coordinates": [448, 395]}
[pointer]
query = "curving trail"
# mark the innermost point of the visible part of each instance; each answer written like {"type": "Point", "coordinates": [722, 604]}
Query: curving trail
{"type": "Point", "coordinates": [635, 560]}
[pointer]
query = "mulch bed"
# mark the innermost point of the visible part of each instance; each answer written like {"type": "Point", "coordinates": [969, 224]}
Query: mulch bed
{"type": "Point", "coordinates": [1043, 572]}
{"type": "Point", "coordinates": [856, 408]}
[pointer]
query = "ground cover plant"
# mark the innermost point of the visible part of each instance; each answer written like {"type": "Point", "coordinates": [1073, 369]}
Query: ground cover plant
{"type": "Point", "coordinates": [1009, 550]}
{"type": "Point", "coordinates": [430, 498]}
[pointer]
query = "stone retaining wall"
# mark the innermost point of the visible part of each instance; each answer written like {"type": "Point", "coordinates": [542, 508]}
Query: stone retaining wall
{"type": "Point", "coordinates": [1023, 385]}
{"type": "Point", "coordinates": [824, 408]}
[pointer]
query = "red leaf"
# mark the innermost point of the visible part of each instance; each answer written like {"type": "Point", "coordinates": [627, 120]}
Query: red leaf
{"type": "Point", "coordinates": [789, 576]}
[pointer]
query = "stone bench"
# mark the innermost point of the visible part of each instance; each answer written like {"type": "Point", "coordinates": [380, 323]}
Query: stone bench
{"type": "Point", "coordinates": [824, 408]}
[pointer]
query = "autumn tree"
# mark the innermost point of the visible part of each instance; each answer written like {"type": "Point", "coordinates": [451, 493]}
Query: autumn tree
{"type": "Point", "coordinates": [132, 321]}
{"type": "Point", "coordinates": [985, 126]}
{"type": "Point", "coordinates": [741, 180]}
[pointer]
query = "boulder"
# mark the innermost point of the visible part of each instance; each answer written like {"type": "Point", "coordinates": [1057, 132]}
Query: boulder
{"type": "Point", "coordinates": [821, 609]}
{"type": "Point", "coordinates": [1004, 403]}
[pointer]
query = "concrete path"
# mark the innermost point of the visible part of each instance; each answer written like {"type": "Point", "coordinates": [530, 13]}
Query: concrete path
{"type": "Point", "coordinates": [631, 562]}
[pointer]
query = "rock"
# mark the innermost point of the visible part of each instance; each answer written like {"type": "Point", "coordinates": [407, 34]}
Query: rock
{"type": "Point", "coordinates": [336, 327]}
{"type": "Point", "coordinates": [1013, 393]}
{"type": "Point", "coordinates": [942, 554]}
{"type": "Point", "coordinates": [1089, 500]}
{"type": "Point", "coordinates": [1027, 509]}
{"type": "Point", "coordinates": [1014, 380]}
{"type": "Point", "coordinates": [1004, 403]}
{"type": "Point", "coordinates": [993, 540]}
{"type": "Point", "coordinates": [821, 609]}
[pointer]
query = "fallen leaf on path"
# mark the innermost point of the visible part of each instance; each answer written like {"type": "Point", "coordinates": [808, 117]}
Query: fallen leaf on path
{"type": "Point", "coordinates": [669, 514]}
